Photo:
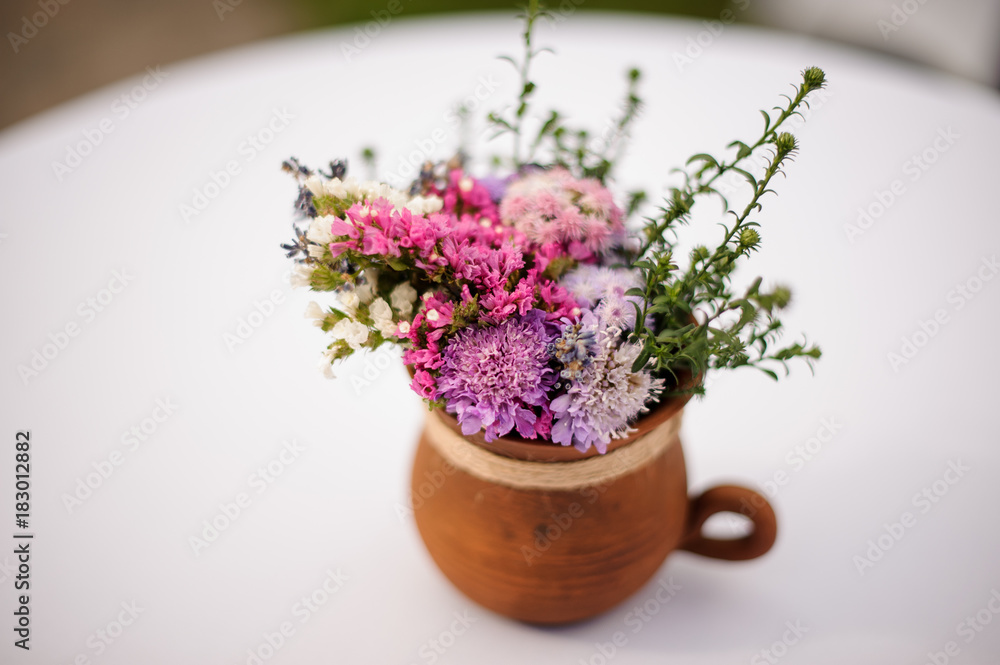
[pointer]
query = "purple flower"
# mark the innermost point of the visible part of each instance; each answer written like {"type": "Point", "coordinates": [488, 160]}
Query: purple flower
{"type": "Point", "coordinates": [604, 398]}
{"type": "Point", "coordinates": [493, 376]}
{"type": "Point", "coordinates": [604, 289]}
{"type": "Point", "coordinates": [495, 186]}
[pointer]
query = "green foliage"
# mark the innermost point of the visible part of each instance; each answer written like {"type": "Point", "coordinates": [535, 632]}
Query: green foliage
{"type": "Point", "coordinates": [464, 314]}
{"type": "Point", "coordinates": [699, 322]}
{"type": "Point", "coordinates": [574, 149]}
{"type": "Point", "coordinates": [325, 279]}
{"type": "Point", "coordinates": [328, 205]}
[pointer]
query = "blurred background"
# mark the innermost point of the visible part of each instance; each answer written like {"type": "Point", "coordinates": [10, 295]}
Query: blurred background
{"type": "Point", "coordinates": [58, 49]}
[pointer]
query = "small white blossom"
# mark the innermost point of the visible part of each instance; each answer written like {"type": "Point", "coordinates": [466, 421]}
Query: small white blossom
{"type": "Point", "coordinates": [352, 332]}
{"type": "Point", "coordinates": [465, 184]}
{"type": "Point", "coordinates": [319, 230]}
{"type": "Point", "coordinates": [349, 302]}
{"type": "Point", "coordinates": [404, 327]}
{"type": "Point", "coordinates": [364, 292]}
{"type": "Point", "coordinates": [336, 188]}
{"type": "Point", "coordinates": [326, 364]}
{"type": "Point", "coordinates": [402, 299]}
{"type": "Point", "coordinates": [316, 251]}
{"type": "Point", "coordinates": [315, 185]}
{"type": "Point", "coordinates": [380, 309]}
{"type": "Point", "coordinates": [382, 317]}
{"type": "Point", "coordinates": [421, 205]}
{"type": "Point", "coordinates": [433, 315]}
{"type": "Point", "coordinates": [301, 275]}
{"type": "Point", "coordinates": [315, 312]}
{"type": "Point", "coordinates": [371, 190]}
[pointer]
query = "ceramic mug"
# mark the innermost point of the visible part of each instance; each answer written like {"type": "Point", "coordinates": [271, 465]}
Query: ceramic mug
{"type": "Point", "coordinates": [543, 553]}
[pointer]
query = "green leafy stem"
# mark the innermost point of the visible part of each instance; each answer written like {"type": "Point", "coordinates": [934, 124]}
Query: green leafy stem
{"type": "Point", "coordinates": [734, 331]}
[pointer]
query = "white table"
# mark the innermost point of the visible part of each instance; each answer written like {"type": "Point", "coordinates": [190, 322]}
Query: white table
{"type": "Point", "coordinates": [329, 506]}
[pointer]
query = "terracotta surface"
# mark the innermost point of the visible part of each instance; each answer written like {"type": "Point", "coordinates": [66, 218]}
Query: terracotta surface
{"type": "Point", "coordinates": [557, 557]}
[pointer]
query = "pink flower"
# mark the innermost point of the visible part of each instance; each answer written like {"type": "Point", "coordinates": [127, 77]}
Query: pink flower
{"type": "Point", "coordinates": [557, 302]}
{"type": "Point", "coordinates": [465, 195]}
{"type": "Point", "coordinates": [375, 242]}
{"type": "Point", "coordinates": [554, 207]}
{"type": "Point", "coordinates": [424, 385]}
{"type": "Point", "coordinates": [341, 227]}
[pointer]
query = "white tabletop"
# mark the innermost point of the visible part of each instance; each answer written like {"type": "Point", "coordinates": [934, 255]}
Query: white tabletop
{"type": "Point", "coordinates": [170, 295]}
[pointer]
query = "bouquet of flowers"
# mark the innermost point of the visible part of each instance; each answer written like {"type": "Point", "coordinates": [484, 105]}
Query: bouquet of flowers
{"type": "Point", "coordinates": [525, 301]}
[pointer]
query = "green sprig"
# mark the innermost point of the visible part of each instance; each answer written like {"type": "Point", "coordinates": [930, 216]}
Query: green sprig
{"type": "Point", "coordinates": [735, 330]}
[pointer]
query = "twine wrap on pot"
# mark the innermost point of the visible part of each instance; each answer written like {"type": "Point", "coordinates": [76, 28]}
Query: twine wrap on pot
{"type": "Point", "coordinates": [550, 476]}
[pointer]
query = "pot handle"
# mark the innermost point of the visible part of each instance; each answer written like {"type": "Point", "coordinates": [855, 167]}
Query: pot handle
{"type": "Point", "coordinates": [730, 499]}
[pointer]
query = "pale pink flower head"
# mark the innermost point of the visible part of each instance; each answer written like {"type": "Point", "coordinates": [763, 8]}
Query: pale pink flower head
{"type": "Point", "coordinates": [554, 207]}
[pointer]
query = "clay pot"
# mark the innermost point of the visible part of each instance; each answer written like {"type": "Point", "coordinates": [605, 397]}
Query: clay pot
{"type": "Point", "coordinates": [555, 556]}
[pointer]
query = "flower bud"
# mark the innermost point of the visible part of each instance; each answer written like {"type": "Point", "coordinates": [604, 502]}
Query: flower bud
{"type": "Point", "coordinates": [785, 143]}
{"type": "Point", "coordinates": [813, 79]}
{"type": "Point", "coordinates": [782, 296]}
{"type": "Point", "coordinates": [749, 238]}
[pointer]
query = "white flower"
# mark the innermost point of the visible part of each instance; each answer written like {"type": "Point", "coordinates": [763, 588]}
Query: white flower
{"type": "Point", "coordinates": [352, 332]}
{"type": "Point", "coordinates": [371, 190]}
{"type": "Point", "coordinates": [315, 185]}
{"type": "Point", "coordinates": [326, 364]}
{"type": "Point", "coordinates": [433, 315]}
{"type": "Point", "coordinates": [336, 188]}
{"type": "Point", "coordinates": [319, 230]}
{"type": "Point", "coordinates": [380, 309]}
{"type": "Point", "coordinates": [404, 327]}
{"type": "Point", "coordinates": [364, 292]}
{"type": "Point", "coordinates": [420, 205]}
{"type": "Point", "coordinates": [301, 275]}
{"type": "Point", "coordinates": [382, 317]}
{"type": "Point", "coordinates": [315, 312]}
{"type": "Point", "coordinates": [402, 299]}
{"type": "Point", "coordinates": [349, 302]}
{"type": "Point", "coordinates": [465, 184]}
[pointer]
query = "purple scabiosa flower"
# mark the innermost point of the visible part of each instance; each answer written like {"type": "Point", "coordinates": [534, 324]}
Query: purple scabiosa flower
{"type": "Point", "coordinates": [494, 377]}
{"type": "Point", "coordinates": [608, 395]}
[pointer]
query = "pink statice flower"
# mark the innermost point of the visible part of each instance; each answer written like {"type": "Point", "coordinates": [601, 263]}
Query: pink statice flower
{"type": "Point", "coordinates": [380, 229]}
{"type": "Point", "coordinates": [425, 336]}
{"type": "Point", "coordinates": [557, 302]}
{"type": "Point", "coordinates": [466, 195]}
